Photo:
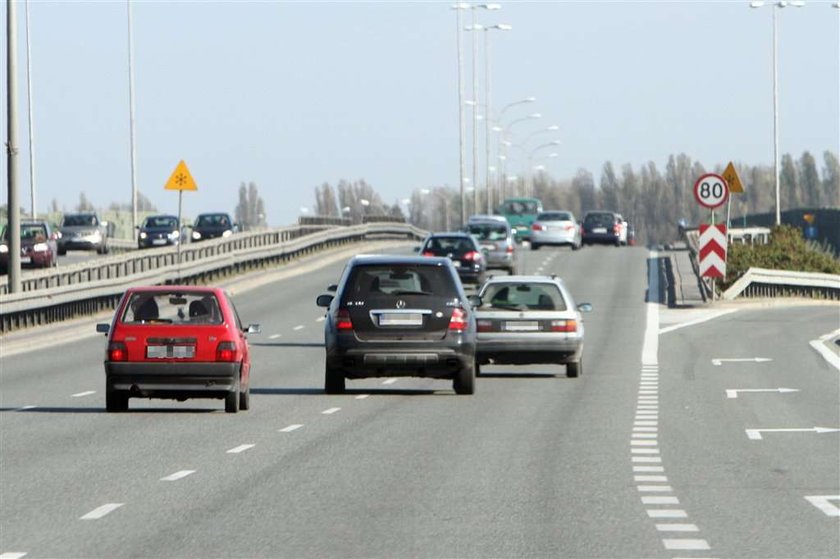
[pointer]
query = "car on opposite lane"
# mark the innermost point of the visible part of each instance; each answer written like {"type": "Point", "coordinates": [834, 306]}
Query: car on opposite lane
{"type": "Point", "coordinates": [555, 228]}
{"type": "Point", "coordinates": [530, 319]}
{"type": "Point", "coordinates": [211, 226]}
{"type": "Point", "coordinates": [464, 251]}
{"type": "Point", "coordinates": [159, 230]}
{"type": "Point", "coordinates": [38, 245]}
{"type": "Point", "coordinates": [82, 231]}
{"type": "Point", "coordinates": [399, 316]}
{"type": "Point", "coordinates": [177, 342]}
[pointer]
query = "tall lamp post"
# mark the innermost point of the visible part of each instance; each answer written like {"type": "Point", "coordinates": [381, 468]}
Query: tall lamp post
{"type": "Point", "coordinates": [33, 211]}
{"type": "Point", "coordinates": [776, 164]}
{"type": "Point", "coordinates": [131, 119]}
{"type": "Point", "coordinates": [530, 175]}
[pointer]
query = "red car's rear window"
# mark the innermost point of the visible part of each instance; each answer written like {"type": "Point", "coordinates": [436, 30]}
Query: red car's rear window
{"type": "Point", "coordinates": [182, 307]}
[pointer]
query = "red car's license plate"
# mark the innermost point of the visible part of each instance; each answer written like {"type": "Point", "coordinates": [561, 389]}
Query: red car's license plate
{"type": "Point", "coordinates": [170, 351]}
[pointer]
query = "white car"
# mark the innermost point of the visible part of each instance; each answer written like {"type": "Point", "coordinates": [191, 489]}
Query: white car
{"type": "Point", "coordinates": [555, 228]}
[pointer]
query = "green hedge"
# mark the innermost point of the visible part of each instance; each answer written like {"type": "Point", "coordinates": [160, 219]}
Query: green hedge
{"type": "Point", "coordinates": [787, 250]}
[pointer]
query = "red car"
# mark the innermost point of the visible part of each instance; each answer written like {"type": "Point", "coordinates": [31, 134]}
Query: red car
{"type": "Point", "coordinates": [177, 342]}
{"type": "Point", "coordinates": [38, 246]}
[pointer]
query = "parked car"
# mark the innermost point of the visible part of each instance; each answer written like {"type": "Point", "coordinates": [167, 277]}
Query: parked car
{"type": "Point", "coordinates": [38, 246]}
{"type": "Point", "coordinates": [159, 230]}
{"type": "Point", "coordinates": [496, 239]}
{"type": "Point", "coordinates": [83, 231]}
{"type": "Point", "coordinates": [462, 249]}
{"type": "Point", "coordinates": [399, 316]}
{"type": "Point", "coordinates": [555, 228]}
{"type": "Point", "coordinates": [177, 342]}
{"type": "Point", "coordinates": [211, 226]}
{"type": "Point", "coordinates": [601, 227]}
{"type": "Point", "coordinates": [530, 319]}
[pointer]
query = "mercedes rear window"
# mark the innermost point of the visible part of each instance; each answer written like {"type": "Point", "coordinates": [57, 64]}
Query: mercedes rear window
{"type": "Point", "coordinates": [399, 280]}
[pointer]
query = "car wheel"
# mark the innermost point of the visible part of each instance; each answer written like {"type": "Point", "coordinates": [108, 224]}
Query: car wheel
{"type": "Point", "coordinates": [232, 399]}
{"type": "Point", "coordinates": [575, 246]}
{"type": "Point", "coordinates": [535, 246]}
{"type": "Point", "coordinates": [62, 251]}
{"type": "Point", "coordinates": [574, 369]}
{"type": "Point", "coordinates": [477, 369]}
{"type": "Point", "coordinates": [115, 401]}
{"type": "Point", "coordinates": [512, 270]}
{"type": "Point", "coordinates": [245, 398]}
{"type": "Point", "coordinates": [464, 381]}
{"type": "Point", "coordinates": [334, 382]}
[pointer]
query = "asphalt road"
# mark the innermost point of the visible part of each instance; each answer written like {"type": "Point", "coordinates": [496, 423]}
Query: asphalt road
{"type": "Point", "coordinates": [645, 455]}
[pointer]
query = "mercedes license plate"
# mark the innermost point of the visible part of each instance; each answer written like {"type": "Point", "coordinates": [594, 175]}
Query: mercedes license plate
{"type": "Point", "coordinates": [401, 319]}
{"type": "Point", "coordinates": [170, 351]}
{"type": "Point", "coordinates": [522, 326]}
{"type": "Point", "coordinates": [456, 263]}
{"type": "Point", "coordinates": [599, 230]}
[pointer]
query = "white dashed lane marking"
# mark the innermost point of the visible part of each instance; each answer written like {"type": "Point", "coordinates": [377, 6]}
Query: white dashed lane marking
{"type": "Point", "coordinates": [648, 469]}
{"type": "Point", "coordinates": [824, 503]}
{"type": "Point", "coordinates": [685, 544]}
{"type": "Point", "coordinates": [390, 381]}
{"type": "Point", "coordinates": [274, 336]}
{"type": "Point", "coordinates": [362, 396]}
{"type": "Point", "coordinates": [83, 394]}
{"type": "Point", "coordinates": [677, 528]}
{"type": "Point", "coordinates": [12, 555]}
{"type": "Point", "coordinates": [177, 475]}
{"type": "Point", "coordinates": [655, 488]}
{"type": "Point", "coordinates": [658, 500]}
{"type": "Point", "coordinates": [320, 319]}
{"type": "Point", "coordinates": [290, 428]}
{"type": "Point", "coordinates": [651, 479]}
{"type": "Point", "coordinates": [99, 512]}
{"type": "Point", "coordinates": [639, 459]}
{"type": "Point", "coordinates": [667, 513]}
{"type": "Point", "coordinates": [330, 411]}
{"type": "Point", "coordinates": [298, 327]}
{"type": "Point", "coordinates": [240, 448]}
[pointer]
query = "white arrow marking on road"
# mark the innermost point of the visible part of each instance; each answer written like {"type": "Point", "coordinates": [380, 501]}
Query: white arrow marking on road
{"type": "Point", "coordinates": [823, 502]}
{"type": "Point", "coordinates": [733, 392]}
{"type": "Point", "coordinates": [719, 361]}
{"type": "Point", "coordinates": [755, 434]}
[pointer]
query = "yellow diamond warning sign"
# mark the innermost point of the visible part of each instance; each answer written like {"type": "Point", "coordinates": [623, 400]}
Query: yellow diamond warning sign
{"type": "Point", "coordinates": [181, 179]}
{"type": "Point", "coordinates": [732, 179]}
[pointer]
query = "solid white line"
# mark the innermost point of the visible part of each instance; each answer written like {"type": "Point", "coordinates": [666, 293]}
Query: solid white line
{"type": "Point", "coordinates": [274, 336]}
{"type": "Point", "coordinates": [832, 358]}
{"type": "Point", "coordinates": [177, 475]}
{"type": "Point", "coordinates": [823, 502]}
{"type": "Point", "coordinates": [685, 544]}
{"type": "Point", "coordinates": [99, 512]}
{"type": "Point", "coordinates": [695, 322]}
{"type": "Point", "coordinates": [667, 513]}
{"type": "Point", "coordinates": [82, 394]}
{"type": "Point", "coordinates": [655, 488]}
{"type": "Point", "coordinates": [650, 347]}
{"type": "Point", "coordinates": [648, 469]}
{"type": "Point", "coordinates": [654, 459]}
{"type": "Point", "coordinates": [650, 478]}
{"type": "Point", "coordinates": [240, 448]}
{"type": "Point", "coordinates": [677, 528]}
{"type": "Point", "coordinates": [330, 411]}
{"type": "Point", "coordinates": [12, 555]}
{"type": "Point", "coordinates": [390, 381]}
{"type": "Point", "coordinates": [290, 428]}
{"type": "Point", "coordinates": [659, 500]}
{"type": "Point", "coordinates": [362, 396]}
{"type": "Point", "coordinates": [644, 450]}
{"type": "Point", "coordinates": [298, 327]}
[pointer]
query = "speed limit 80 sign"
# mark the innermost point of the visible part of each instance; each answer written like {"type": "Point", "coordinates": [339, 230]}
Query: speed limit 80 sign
{"type": "Point", "coordinates": [711, 190]}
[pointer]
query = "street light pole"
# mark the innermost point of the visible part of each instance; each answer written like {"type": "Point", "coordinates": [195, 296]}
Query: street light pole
{"type": "Point", "coordinates": [530, 171]}
{"type": "Point", "coordinates": [13, 209]}
{"type": "Point", "coordinates": [488, 108]}
{"type": "Point", "coordinates": [131, 119]}
{"type": "Point", "coordinates": [33, 211]}
{"type": "Point", "coordinates": [461, 170]}
{"type": "Point", "coordinates": [776, 155]}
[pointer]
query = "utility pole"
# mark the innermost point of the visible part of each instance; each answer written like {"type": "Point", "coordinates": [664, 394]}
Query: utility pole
{"type": "Point", "coordinates": [12, 149]}
{"type": "Point", "coordinates": [131, 122]}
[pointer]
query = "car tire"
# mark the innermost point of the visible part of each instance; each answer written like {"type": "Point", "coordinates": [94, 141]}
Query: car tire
{"type": "Point", "coordinates": [62, 251]}
{"type": "Point", "coordinates": [232, 399]}
{"type": "Point", "coordinates": [115, 401]}
{"type": "Point", "coordinates": [464, 380]}
{"type": "Point", "coordinates": [512, 270]}
{"type": "Point", "coordinates": [575, 246]}
{"type": "Point", "coordinates": [477, 369]}
{"type": "Point", "coordinates": [574, 369]}
{"type": "Point", "coordinates": [245, 398]}
{"type": "Point", "coordinates": [535, 246]}
{"type": "Point", "coordinates": [334, 381]}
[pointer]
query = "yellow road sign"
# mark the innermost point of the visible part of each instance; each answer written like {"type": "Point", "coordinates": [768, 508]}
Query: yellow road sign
{"type": "Point", "coordinates": [181, 179]}
{"type": "Point", "coordinates": [732, 179]}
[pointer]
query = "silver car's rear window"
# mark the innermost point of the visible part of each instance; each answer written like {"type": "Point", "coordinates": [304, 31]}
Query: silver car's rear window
{"type": "Point", "coordinates": [488, 231]}
{"type": "Point", "coordinates": [554, 216]}
{"type": "Point", "coordinates": [524, 296]}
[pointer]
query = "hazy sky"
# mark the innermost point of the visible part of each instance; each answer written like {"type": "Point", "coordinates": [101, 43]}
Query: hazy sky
{"type": "Point", "coordinates": [290, 95]}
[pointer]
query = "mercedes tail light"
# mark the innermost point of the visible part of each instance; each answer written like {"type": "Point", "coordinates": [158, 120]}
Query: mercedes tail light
{"type": "Point", "coordinates": [226, 351]}
{"type": "Point", "coordinates": [458, 322]}
{"type": "Point", "coordinates": [117, 351]}
{"type": "Point", "coordinates": [343, 321]}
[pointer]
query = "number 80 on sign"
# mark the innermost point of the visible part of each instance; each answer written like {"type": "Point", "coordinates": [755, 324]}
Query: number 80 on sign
{"type": "Point", "coordinates": [711, 190]}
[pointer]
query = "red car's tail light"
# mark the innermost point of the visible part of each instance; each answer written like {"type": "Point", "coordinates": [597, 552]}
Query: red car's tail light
{"type": "Point", "coordinates": [484, 325]}
{"type": "Point", "coordinates": [117, 351]}
{"type": "Point", "coordinates": [458, 322]}
{"type": "Point", "coordinates": [226, 351]}
{"type": "Point", "coordinates": [428, 253]}
{"type": "Point", "coordinates": [538, 227]}
{"type": "Point", "coordinates": [343, 320]}
{"type": "Point", "coordinates": [564, 325]}
{"type": "Point", "coordinates": [473, 255]}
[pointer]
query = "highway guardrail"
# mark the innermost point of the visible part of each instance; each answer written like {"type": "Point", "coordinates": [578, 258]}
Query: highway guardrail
{"type": "Point", "coordinates": [761, 282]}
{"type": "Point", "coordinates": [89, 287]}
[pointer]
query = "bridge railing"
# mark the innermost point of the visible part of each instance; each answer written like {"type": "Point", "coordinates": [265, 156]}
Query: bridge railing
{"type": "Point", "coordinates": [89, 287]}
{"type": "Point", "coordinates": [761, 282]}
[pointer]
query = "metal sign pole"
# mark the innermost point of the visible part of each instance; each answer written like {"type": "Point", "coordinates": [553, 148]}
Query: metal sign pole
{"type": "Point", "coordinates": [180, 229]}
{"type": "Point", "coordinates": [713, 279]}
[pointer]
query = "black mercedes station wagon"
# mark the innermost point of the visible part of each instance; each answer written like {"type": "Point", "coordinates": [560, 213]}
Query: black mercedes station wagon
{"type": "Point", "coordinates": [396, 316]}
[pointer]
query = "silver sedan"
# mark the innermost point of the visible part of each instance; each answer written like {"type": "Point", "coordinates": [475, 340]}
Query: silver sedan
{"type": "Point", "coordinates": [530, 319]}
{"type": "Point", "coordinates": [555, 228]}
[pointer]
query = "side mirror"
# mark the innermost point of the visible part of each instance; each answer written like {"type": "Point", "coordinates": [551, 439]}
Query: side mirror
{"type": "Point", "coordinates": [474, 300]}
{"type": "Point", "coordinates": [332, 287]}
{"type": "Point", "coordinates": [253, 329]}
{"type": "Point", "coordinates": [103, 328]}
{"type": "Point", "coordinates": [585, 307]}
{"type": "Point", "coordinates": [324, 300]}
